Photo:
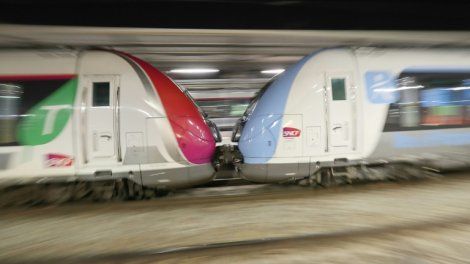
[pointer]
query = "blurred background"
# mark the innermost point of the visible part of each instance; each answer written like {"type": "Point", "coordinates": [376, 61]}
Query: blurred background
{"type": "Point", "coordinates": [224, 52]}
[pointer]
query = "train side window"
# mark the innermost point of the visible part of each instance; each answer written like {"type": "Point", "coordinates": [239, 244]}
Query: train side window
{"type": "Point", "coordinates": [10, 112]}
{"type": "Point", "coordinates": [18, 98]}
{"type": "Point", "coordinates": [430, 100]}
{"type": "Point", "coordinates": [100, 94]}
{"type": "Point", "coordinates": [338, 89]}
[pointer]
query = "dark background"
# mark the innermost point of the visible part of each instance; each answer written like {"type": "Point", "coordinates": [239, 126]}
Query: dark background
{"type": "Point", "coordinates": [267, 14]}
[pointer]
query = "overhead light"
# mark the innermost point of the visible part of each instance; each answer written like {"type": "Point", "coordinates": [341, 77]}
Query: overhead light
{"type": "Point", "coordinates": [273, 71]}
{"type": "Point", "coordinates": [195, 71]}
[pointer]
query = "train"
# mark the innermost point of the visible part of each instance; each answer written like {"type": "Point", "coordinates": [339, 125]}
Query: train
{"type": "Point", "coordinates": [99, 115]}
{"type": "Point", "coordinates": [79, 118]}
{"type": "Point", "coordinates": [342, 109]}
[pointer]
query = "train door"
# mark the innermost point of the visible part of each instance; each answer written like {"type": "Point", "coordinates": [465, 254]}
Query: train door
{"type": "Point", "coordinates": [340, 120]}
{"type": "Point", "coordinates": [101, 119]}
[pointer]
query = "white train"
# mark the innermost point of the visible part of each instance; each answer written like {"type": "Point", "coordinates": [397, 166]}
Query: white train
{"type": "Point", "coordinates": [98, 115]}
{"type": "Point", "coordinates": [347, 106]}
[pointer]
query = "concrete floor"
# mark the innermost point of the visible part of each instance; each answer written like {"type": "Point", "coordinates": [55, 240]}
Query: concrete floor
{"type": "Point", "coordinates": [421, 222]}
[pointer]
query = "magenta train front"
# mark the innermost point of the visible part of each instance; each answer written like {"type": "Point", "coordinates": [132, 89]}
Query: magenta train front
{"type": "Point", "coordinates": [195, 138]}
{"type": "Point", "coordinates": [114, 116]}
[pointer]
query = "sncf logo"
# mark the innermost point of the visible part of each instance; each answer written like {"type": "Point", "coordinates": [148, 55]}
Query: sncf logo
{"type": "Point", "coordinates": [58, 160]}
{"type": "Point", "coordinates": [290, 132]}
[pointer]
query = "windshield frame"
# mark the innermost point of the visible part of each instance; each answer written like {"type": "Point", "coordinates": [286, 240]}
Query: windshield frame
{"type": "Point", "coordinates": [191, 98]}
{"type": "Point", "coordinates": [252, 105]}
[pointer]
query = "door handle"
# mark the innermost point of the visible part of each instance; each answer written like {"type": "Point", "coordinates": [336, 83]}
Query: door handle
{"type": "Point", "coordinates": [108, 137]}
{"type": "Point", "coordinates": [336, 128]}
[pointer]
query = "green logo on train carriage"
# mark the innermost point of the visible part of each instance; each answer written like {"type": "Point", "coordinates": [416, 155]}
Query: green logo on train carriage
{"type": "Point", "coordinates": [47, 119]}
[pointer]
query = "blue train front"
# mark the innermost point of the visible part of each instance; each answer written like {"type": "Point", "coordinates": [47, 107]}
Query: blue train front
{"type": "Point", "coordinates": [344, 106]}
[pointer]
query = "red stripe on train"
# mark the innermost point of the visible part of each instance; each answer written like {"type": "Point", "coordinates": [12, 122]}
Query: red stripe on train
{"type": "Point", "coordinates": [193, 135]}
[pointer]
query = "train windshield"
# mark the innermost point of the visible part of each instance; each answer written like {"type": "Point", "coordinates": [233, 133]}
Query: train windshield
{"type": "Point", "coordinates": [236, 132]}
{"type": "Point", "coordinates": [215, 131]}
{"type": "Point", "coordinates": [254, 101]}
{"type": "Point", "coordinates": [188, 95]}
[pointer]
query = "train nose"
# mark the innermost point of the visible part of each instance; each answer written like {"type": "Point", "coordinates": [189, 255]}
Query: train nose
{"type": "Point", "coordinates": [195, 139]}
{"type": "Point", "coordinates": [259, 136]}
{"type": "Point", "coordinates": [193, 135]}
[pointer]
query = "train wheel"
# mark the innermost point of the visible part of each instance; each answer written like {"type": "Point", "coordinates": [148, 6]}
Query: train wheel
{"type": "Point", "coordinates": [102, 191]}
{"type": "Point", "coordinates": [81, 190]}
{"type": "Point", "coordinates": [327, 178]}
{"type": "Point", "coordinates": [58, 193]}
{"type": "Point", "coordinates": [121, 191]}
{"type": "Point", "coordinates": [136, 191]}
{"type": "Point", "coordinates": [17, 196]}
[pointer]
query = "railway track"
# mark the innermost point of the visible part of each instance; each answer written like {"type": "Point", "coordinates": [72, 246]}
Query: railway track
{"type": "Point", "coordinates": [215, 251]}
{"type": "Point", "coordinates": [200, 228]}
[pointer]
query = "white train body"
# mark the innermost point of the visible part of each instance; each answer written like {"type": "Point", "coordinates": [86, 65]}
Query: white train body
{"type": "Point", "coordinates": [348, 105]}
{"type": "Point", "coordinates": [97, 115]}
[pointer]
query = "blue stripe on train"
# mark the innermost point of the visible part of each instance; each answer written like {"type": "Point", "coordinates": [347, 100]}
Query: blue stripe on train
{"type": "Point", "coordinates": [427, 139]}
{"type": "Point", "coordinates": [261, 132]}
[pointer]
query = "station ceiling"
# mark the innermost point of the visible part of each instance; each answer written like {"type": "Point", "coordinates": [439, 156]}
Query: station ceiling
{"type": "Point", "coordinates": [243, 14]}
{"type": "Point", "coordinates": [240, 55]}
